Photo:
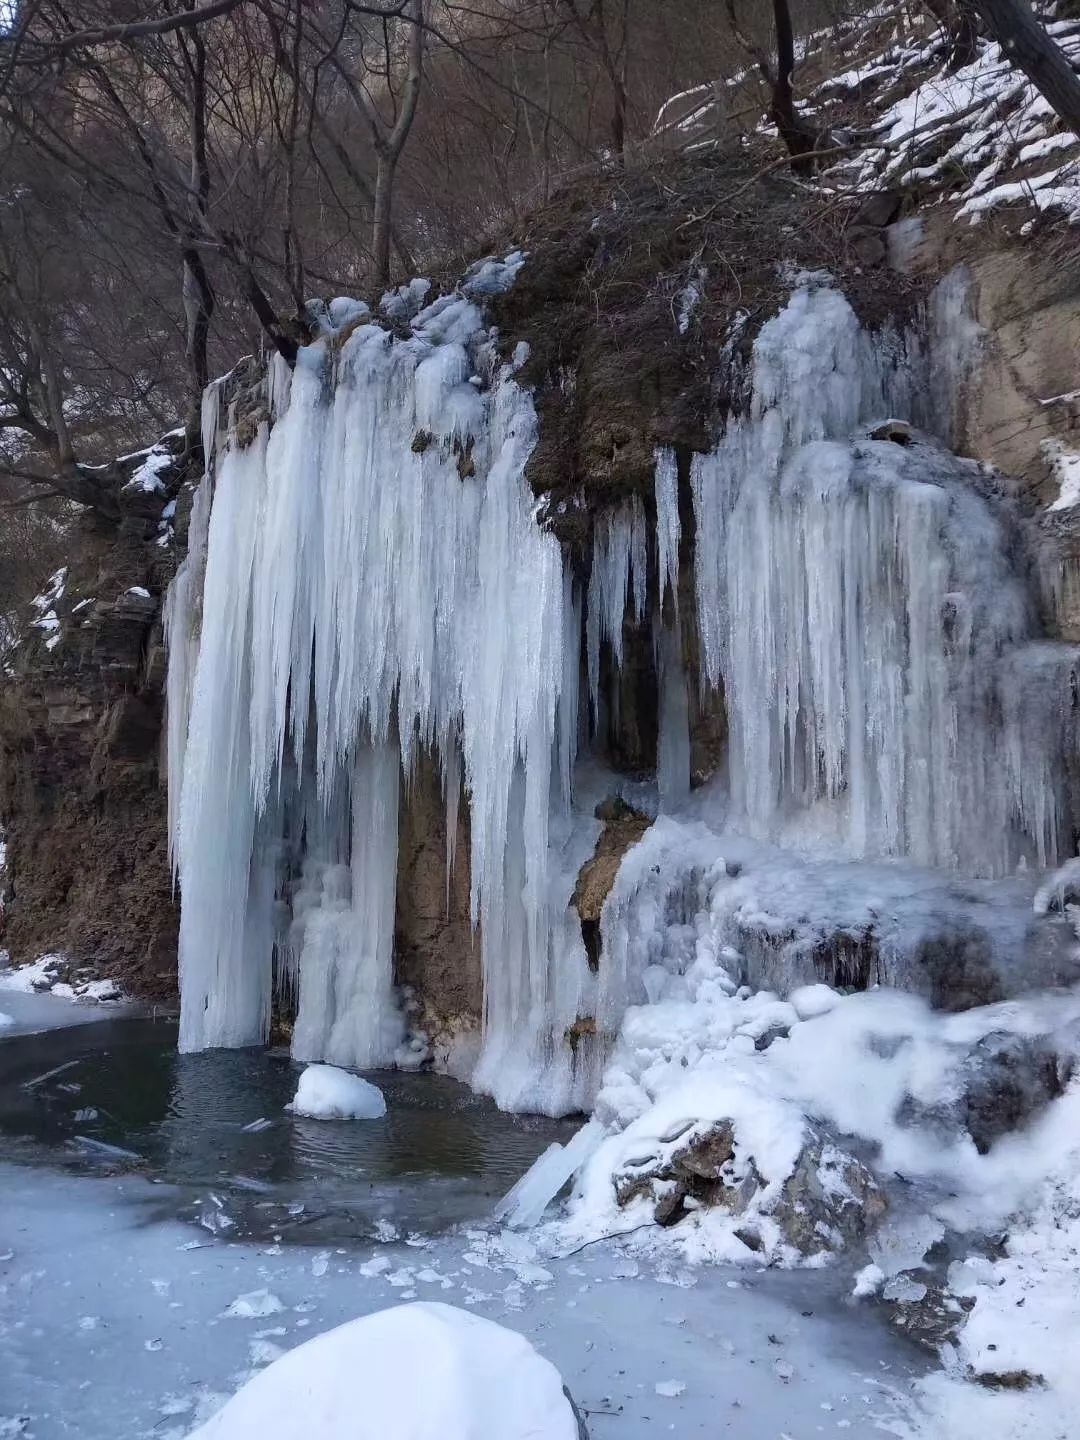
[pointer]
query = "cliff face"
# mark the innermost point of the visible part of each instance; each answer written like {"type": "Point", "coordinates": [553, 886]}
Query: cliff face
{"type": "Point", "coordinates": [81, 791]}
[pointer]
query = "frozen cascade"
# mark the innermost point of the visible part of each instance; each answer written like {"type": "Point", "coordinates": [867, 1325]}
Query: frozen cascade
{"type": "Point", "coordinates": [370, 583]}
{"type": "Point", "coordinates": [856, 602]}
{"type": "Point", "coordinates": [430, 611]}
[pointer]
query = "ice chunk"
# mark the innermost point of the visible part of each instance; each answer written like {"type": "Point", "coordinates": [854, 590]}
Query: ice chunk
{"type": "Point", "coordinates": [326, 1093]}
{"type": "Point", "coordinates": [6, 1020]}
{"type": "Point", "coordinates": [523, 1206]}
{"type": "Point", "coordinates": [255, 1305]}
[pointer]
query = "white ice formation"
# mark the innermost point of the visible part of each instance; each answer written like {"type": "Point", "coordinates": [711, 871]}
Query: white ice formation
{"type": "Point", "coordinates": [371, 582]}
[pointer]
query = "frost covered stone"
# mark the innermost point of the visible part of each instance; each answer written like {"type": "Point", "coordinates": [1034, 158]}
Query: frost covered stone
{"type": "Point", "coordinates": [829, 1201]}
{"type": "Point", "coordinates": [416, 1372]}
{"type": "Point", "coordinates": [326, 1093]}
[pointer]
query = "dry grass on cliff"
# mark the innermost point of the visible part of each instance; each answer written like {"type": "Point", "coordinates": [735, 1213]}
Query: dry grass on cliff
{"type": "Point", "coordinates": [634, 283]}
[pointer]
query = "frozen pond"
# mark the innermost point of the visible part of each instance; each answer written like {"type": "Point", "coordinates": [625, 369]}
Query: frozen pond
{"type": "Point", "coordinates": [137, 1293]}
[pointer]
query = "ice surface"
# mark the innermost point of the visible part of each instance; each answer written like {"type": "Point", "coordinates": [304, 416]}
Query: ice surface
{"type": "Point", "coordinates": [480, 1382]}
{"type": "Point", "coordinates": [325, 1093]}
{"type": "Point", "coordinates": [611, 1331]}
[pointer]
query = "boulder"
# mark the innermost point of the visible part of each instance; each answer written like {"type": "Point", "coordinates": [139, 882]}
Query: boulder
{"type": "Point", "coordinates": [831, 1200]}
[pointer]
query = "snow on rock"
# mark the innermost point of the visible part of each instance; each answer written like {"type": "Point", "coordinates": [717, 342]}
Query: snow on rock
{"type": "Point", "coordinates": [477, 1381]}
{"type": "Point", "coordinates": [41, 976]}
{"type": "Point", "coordinates": [724, 1113]}
{"type": "Point", "coordinates": [811, 1000]}
{"type": "Point", "coordinates": [38, 976]}
{"type": "Point", "coordinates": [981, 134]}
{"type": "Point", "coordinates": [327, 1093]}
{"type": "Point", "coordinates": [1065, 468]}
{"type": "Point", "coordinates": [147, 474]}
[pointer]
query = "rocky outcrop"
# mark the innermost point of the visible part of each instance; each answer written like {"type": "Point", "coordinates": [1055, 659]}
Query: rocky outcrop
{"type": "Point", "coordinates": [830, 1201]}
{"type": "Point", "coordinates": [437, 950]}
{"type": "Point", "coordinates": [623, 827]}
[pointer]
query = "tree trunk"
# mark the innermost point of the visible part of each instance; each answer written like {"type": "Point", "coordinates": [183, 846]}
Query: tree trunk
{"type": "Point", "coordinates": [380, 224]}
{"type": "Point", "coordinates": [198, 298]}
{"type": "Point", "coordinates": [799, 138]}
{"type": "Point", "coordinates": [961, 27]}
{"type": "Point", "coordinates": [1025, 42]}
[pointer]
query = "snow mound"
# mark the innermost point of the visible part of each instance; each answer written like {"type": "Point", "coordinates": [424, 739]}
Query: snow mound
{"type": "Point", "coordinates": [327, 1093]}
{"type": "Point", "coordinates": [480, 1382]}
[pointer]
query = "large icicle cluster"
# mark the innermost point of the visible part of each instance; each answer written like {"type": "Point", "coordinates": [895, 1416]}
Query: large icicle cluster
{"type": "Point", "coordinates": [856, 602]}
{"type": "Point", "coordinates": [375, 583]}
{"type": "Point", "coordinates": [370, 583]}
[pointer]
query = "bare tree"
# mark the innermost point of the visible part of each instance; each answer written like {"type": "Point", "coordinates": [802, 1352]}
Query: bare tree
{"type": "Point", "coordinates": [778, 72]}
{"type": "Point", "coordinates": [1026, 42]}
{"type": "Point", "coordinates": [385, 86]}
{"type": "Point", "coordinates": [960, 26]}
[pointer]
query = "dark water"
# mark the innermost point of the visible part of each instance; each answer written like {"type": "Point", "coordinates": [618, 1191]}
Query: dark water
{"type": "Point", "coordinates": [117, 1097]}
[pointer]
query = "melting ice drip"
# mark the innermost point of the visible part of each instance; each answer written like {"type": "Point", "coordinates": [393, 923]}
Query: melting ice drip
{"type": "Point", "coordinates": [371, 582]}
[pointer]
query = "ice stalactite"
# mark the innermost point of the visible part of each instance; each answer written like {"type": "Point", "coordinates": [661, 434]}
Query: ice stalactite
{"type": "Point", "coordinates": [673, 720]}
{"type": "Point", "coordinates": [619, 572]}
{"type": "Point", "coordinates": [668, 527]}
{"type": "Point", "coordinates": [376, 584]}
{"type": "Point", "coordinates": [856, 601]}
{"type": "Point", "coordinates": [348, 1012]}
{"type": "Point", "coordinates": [182, 618]}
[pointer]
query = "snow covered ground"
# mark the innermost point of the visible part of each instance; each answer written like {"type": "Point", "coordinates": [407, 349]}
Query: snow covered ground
{"type": "Point", "coordinates": [114, 1320]}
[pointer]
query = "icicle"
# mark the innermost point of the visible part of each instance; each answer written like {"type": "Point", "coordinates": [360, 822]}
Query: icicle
{"type": "Point", "coordinates": [225, 991]}
{"type": "Point", "coordinates": [673, 741]}
{"type": "Point", "coordinates": [619, 570]}
{"type": "Point", "coordinates": [668, 526]}
{"type": "Point", "coordinates": [183, 604]}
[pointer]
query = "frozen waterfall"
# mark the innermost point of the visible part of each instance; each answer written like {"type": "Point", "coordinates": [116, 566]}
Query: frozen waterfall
{"type": "Point", "coordinates": [375, 584]}
{"type": "Point", "coordinates": [858, 605]}
{"type": "Point", "coordinates": [370, 583]}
